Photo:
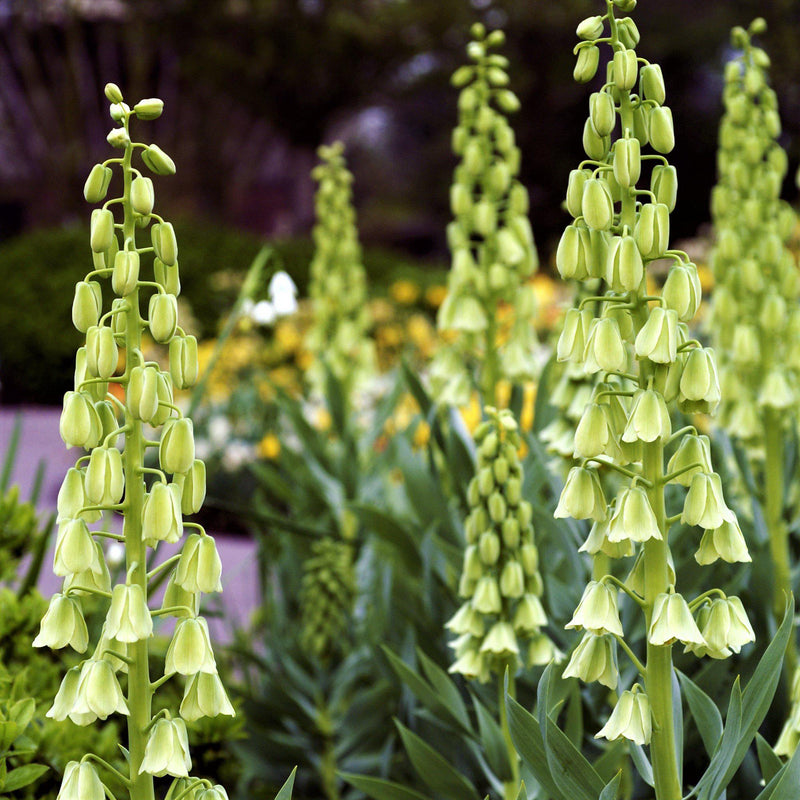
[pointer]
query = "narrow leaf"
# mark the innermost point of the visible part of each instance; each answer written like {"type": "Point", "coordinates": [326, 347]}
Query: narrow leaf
{"type": "Point", "coordinates": [611, 788]}
{"type": "Point", "coordinates": [704, 712]}
{"type": "Point", "coordinates": [769, 762]}
{"type": "Point", "coordinates": [784, 784]}
{"type": "Point", "coordinates": [446, 689]}
{"type": "Point", "coordinates": [380, 789]}
{"type": "Point", "coordinates": [642, 763]}
{"type": "Point", "coordinates": [494, 745]}
{"type": "Point", "coordinates": [285, 792]}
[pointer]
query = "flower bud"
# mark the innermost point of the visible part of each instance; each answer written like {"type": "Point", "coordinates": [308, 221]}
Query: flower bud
{"type": "Point", "coordinates": [662, 131]}
{"type": "Point", "coordinates": [641, 125]}
{"type": "Point", "coordinates": [204, 696]}
{"type": "Point", "coordinates": [79, 425]}
{"type": "Point", "coordinates": [628, 32]}
{"type": "Point", "coordinates": [176, 450]}
{"type": "Point", "coordinates": [125, 277]}
{"type": "Point", "coordinates": [682, 291]}
{"type": "Point", "coordinates": [772, 317]}
{"type": "Point", "coordinates": [592, 434]}
{"type": "Point", "coordinates": [96, 186]}
{"type": "Point", "coordinates": [586, 65]}
{"type": "Point", "coordinates": [167, 750]}
{"type": "Point", "coordinates": [590, 28]}
{"type": "Point", "coordinates": [142, 195]}
{"type": "Point", "coordinates": [165, 244]}
{"type": "Point", "coordinates": [605, 351]}
{"type": "Point", "coordinates": [86, 305]}
{"type": "Point", "coordinates": [631, 719]}
{"type": "Point", "coordinates": [105, 479]}
{"type": "Point", "coordinates": [594, 659]}
{"type": "Point", "coordinates": [692, 450]}
{"type": "Point", "coordinates": [572, 341]}
{"type": "Point", "coordinates": [128, 617]}
{"type": "Point", "coordinates": [577, 179]}
{"type": "Point", "coordinates": [165, 398]}
{"type": "Point", "coordinates": [626, 69]}
{"type": "Point", "coordinates": [633, 518]}
{"type": "Point", "coordinates": [81, 782]}
{"type": "Point", "coordinates": [594, 145]}
{"type": "Point", "coordinates": [161, 516]}
{"type": "Point", "coordinates": [658, 338]}
{"type": "Point", "coordinates": [63, 624]}
{"type": "Point", "coordinates": [571, 253]}
{"type": "Point", "coordinates": [664, 185]}
{"type": "Point", "coordinates": [673, 621]}
{"type": "Point", "coordinates": [699, 387]}
{"type": "Point", "coordinates": [627, 162]}
{"type": "Point", "coordinates": [98, 694]}
{"type": "Point", "coordinates": [199, 568]}
{"type": "Point", "coordinates": [142, 393]}
{"type": "Point", "coordinates": [489, 551]}
{"type": "Point", "coordinates": [194, 488]}
{"type": "Point", "coordinates": [652, 230]}
{"type": "Point", "coordinates": [602, 114]}
{"type": "Point", "coordinates": [597, 611]}
{"type": "Point", "coordinates": [484, 217]}
{"type": "Point", "coordinates": [651, 84]}
{"type": "Point", "coordinates": [649, 418]}
{"type": "Point", "coordinates": [71, 498]}
{"type": "Point", "coordinates": [500, 641]}
{"type": "Point", "coordinates": [163, 316]}
{"type": "Point", "coordinates": [101, 230]}
{"type": "Point", "coordinates": [119, 137]}
{"type": "Point", "coordinates": [158, 161]}
{"type": "Point", "coordinates": [101, 352]}
{"type": "Point", "coordinates": [624, 267]}
{"type": "Point", "coordinates": [113, 93]}
{"type": "Point", "coordinates": [704, 505]}
{"type": "Point", "coordinates": [149, 108]}
{"type": "Point", "coordinates": [746, 350]}
{"type": "Point", "coordinates": [216, 792]}
{"type": "Point", "coordinates": [597, 206]}
{"type": "Point", "coordinates": [486, 598]}
{"type": "Point", "coordinates": [582, 496]}
{"type": "Point", "coordinates": [168, 277]}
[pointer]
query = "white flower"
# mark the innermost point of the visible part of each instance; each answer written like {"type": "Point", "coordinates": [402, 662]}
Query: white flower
{"type": "Point", "coordinates": [263, 313]}
{"type": "Point", "coordinates": [219, 429]}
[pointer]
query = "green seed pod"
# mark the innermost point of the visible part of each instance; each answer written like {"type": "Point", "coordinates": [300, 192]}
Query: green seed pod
{"type": "Point", "coordinates": [86, 305]}
{"type": "Point", "coordinates": [503, 136]}
{"type": "Point", "coordinates": [105, 479]}
{"type": "Point", "coordinates": [626, 69]}
{"type": "Point", "coordinates": [149, 108]}
{"type": "Point", "coordinates": [577, 179]}
{"type": "Point", "coordinates": [183, 363]}
{"type": "Point", "coordinates": [651, 84]}
{"type": "Point", "coordinates": [627, 162]}
{"type": "Point", "coordinates": [590, 28]}
{"type": "Point", "coordinates": [485, 481]}
{"type": "Point", "coordinates": [662, 131]}
{"type": "Point", "coordinates": [163, 316]}
{"type": "Point", "coordinates": [601, 112]}
{"type": "Point", "coordinates": [96, 186]}
{"type": "Point", "coordinates": [518, 203]}
{"type": "Point", "coordinates": [594, 145]}
{"type": "Point", "coordinates": [597, 206]}
{"type": "Point", "coordinates": [176, 450]}
{"type": "Point", "coordinates": [652, 230]}
{"type": "Point", "coordinates": [142, 393]}
{"type": "Point", "coordinates": [586, 65]}
{"type": "Point", "coordinates": [101, 230]}
{"type": "Point", "coordinates": [142, 195]}
{"type": "Point", "coordinates": [473, 160]}
{"type": "Point", "coordinates": [125, 277]}
{"type": "Point", "coordinates": [625, 270]}
{"type": "Point", "coordinates": [158, 161]}
{"type": "Point", "coordinates": [79, 425]}
{"type": "Point", "coordinates": [194, 488]}
{"type": "Point", "coordinates": [664, 185]}
{"type": "Point", "coordinates": [101, 352]}
{"type": "Point", "coordinates": [164, 243]}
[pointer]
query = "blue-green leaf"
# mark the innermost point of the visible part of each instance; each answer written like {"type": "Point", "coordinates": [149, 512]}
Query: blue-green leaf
{"type": "Point", "coordinates": [768, 760]}
{"type": "Point", "coordinates": [704, 712]}
{"type": "Point", "coordinates": [611, 788]}
{"type": "Point", "coordinates": [435, 770]}
{"type": "Point", "coordinates": [784, 784]}
{"type": "Point", "coordinates": [446, 689]}
{"type": "Point", "coordinates": [494, 746]}
{"type": "Point", "coordinates": [380, 789]}
{"type": "Point", "coordinates": [642, 763]}
{"type": "Point", "coordinates": [285, 792]}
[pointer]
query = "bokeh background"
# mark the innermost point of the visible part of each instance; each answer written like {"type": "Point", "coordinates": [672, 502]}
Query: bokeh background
{"type": "Point", "coordinates": [252, 87]}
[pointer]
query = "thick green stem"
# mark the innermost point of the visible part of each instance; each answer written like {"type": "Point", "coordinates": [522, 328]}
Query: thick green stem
{"type": "Point", "coordinates": [490, 365]}
{"type": "Point", "coordinates": [658, 672]}
{"type": "Point", "coordinates": [140, 693]}
{"type": "Point", "coordinates": [511, 787]}
{"type": "Point", "coordinates": [778, 532]}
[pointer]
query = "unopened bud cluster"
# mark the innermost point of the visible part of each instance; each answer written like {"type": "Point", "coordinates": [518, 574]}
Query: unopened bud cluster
{"type": "Point", "coordinates": [645, 365]}
{"type": "Point", "coordinates": [491, 241]}
{"type": "Point", "coordinates": [113, 480]}
{"type": "Point", "coordinates": [756, 316]}
{"type": "Point", "coordinates": [326, 598]}
{"type": "Point", "coordinates": [338, 290]}
{"type": "Point", "coordinates": [501, 620]}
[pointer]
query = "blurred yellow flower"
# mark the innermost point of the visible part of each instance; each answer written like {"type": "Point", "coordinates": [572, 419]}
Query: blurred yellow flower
{"type": "Point", "coordinates": [502, 393]}
{"type": "Point", "coordinates": [435, 295]}
{"type": "Point", "coordinates": [706, 278]}
{"type": "Point", "coordinates": [528, 404]}
{"type": "Point", "coordinates": [322, 419]}
{"type": "Point", "coordinates": [422, 434]}
{"type": "Point", "coordinates": [471, 413]}
{"type": "Point", "coordinates": [287, 336]}
{"type": "Point", "coordinates": [404, 292]}
{"type": "Point", "coordinates": [381, 310]}
{"type": "Point", "coordinates": [269, 447]}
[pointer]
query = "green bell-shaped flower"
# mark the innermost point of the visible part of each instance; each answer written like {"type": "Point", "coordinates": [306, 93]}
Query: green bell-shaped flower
{"type": "Point", "coordinates": [631, 719]}
{"type": "Point", "coordinates": [673, 621]}
{"type": "Point", "coordinates": [190, 649]}
{"type": "Point", "coordinates": [597, 610]}
{"type": "Point", "coordinates": [594, 659]}
{"type": "Point", "coordinates": [167, 750]}
{"type": "Point", "coordinates": [633, 518]}
{"type": "Point", "coordinates": [128, 618]}
{"type": "Point", "coordinates": [205, 696]}
{"type": "Point", "coordinates": [81, 782]}
{"type": "Point", "coordinates": [63, 624]}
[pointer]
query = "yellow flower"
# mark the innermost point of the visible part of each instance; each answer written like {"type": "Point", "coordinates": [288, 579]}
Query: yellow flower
{"type": "Point", "coordinates": [502, 393]}
{"type": "Point", "coordinates": [422, 434]}
{"type": "Point", "coordinates": [471, 413]}
{"type": "Point", "coordinates": [706, 278]}
{"type": "Point", "coordinates": [304, 359]}
{"type": "Point", "coordinates": [435, 295]}
{"type": "Point", "coordinates": [528, 404]}
{"type": "Point", "coordinates": [269, 447]}
{"type": "Point", "coordinates": [322, 419]}
{"type": "Point", "coordinates": [404, 292]}
{"type": "Point", "coordinates": [287, 336]}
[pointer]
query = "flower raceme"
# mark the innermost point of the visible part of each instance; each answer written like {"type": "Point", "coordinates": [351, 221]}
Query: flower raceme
{"type": "Point", "coordinates": [646, 364]}
{"type": "Point", "coordinates": [151, 502]}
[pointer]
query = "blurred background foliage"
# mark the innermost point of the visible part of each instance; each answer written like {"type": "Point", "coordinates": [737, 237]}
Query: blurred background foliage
{"type": "Point", "coordinates": [253, 86]}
